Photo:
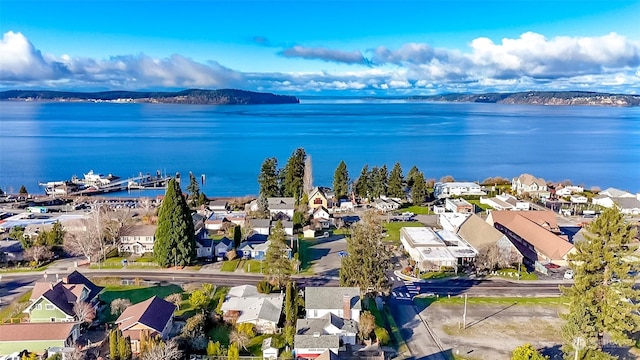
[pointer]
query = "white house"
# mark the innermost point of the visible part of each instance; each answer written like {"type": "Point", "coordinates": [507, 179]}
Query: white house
{"type": "Point", "coordinates": [530, 184]}
{"type": "Point", "coordinates": [329, 324]}
{"type": "Point", "coordinates": [579, 199]}
{"type": "Point", "coordinates": [444, 190]}
{"type": "Point", "coordinates": [343, 302]}
{"type": "Point", "coordinates": [616, 193]}
{"type": "Point", "coordinates": [496, 203]}
{"type": "Point", "coordinates": [283, 205]}
{"type": "Point", "coordinates": [314, 345]}
{"type": "Point", "coordinates": [386, 204]}
{"type": "Point", "coordinates": [268, 351]}
{"type": "Point", "coordinates": [451, 221]}
{"type": "Point", "coordinates": [321, 212]}
{"type": "Point", "coordinates": [261, 226]}
{"type": "Point", "coordinates": [629, 206]}
{"type": "Point", "coordinates": [568, 190]}
{"type": "Point", "coordinates": [244, 304]}
{"type": "Point", "coordinates": [138, 239]}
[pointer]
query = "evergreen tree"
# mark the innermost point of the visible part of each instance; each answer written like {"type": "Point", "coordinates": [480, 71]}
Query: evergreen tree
{"type": "Point", "coordinates": [174, 240]}
{"type": "Point", "coordinates": [602, 298]}
{"type": "Point", "coordinates": [341, 180]}
{"type": "Point", "coordinates": [202, 199]}
{"type": "Point", "coordinates": [55, 236]}
{"type": "Point", "coordinates": [291, 304]}
{"type": "Point", "coordinates": [122, 347]}
{"type": "Point", "coordinates": [128, 354]}
{"type": "Point", "coordinates": [294, 174]}
{"type": "Point", "coordinates": [367, 261]}
{"type": "Point", "coordinates": [23, 190]}
{"type": "Point", "coordinates": [193, 189]}
{"type": "Point", "coordinates": [395, 182]}
{"type": "Point", "coordinates": [279, 266]}
{"type": "Point", "coordinates": [363, 184]}
{"type": "Point", "coordinates": [375, 187]}
{"type": "Point", "coordinates": [113, 344]}
{"type": "Point", "coordinates": [411, 176]}
{"type": "Point", "coordinates": [268, 178]}
{"type": "Point", "coordinates": [383, 179]}
{"type": "Point", "coordinates": [237, 236]}
{"type": "Point", "coordinates": [419, 189]}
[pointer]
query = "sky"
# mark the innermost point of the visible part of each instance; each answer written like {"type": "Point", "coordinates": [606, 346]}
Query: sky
{"type": "Point", "coordinates": [330, 47]}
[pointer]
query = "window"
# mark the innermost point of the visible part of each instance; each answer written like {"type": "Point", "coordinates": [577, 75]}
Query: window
{"type": "Point", "coordinates": [317, 201]}
{"type": "Point", "coordinates": [53, 319]}
{"type": "Point", "coordinates": [39, 307]}
{"type": "Point", "coordinates": [49, 307]}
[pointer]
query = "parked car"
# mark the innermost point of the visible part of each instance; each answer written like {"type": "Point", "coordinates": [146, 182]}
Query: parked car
{"type": "Point", "coordinates": [568, 274]}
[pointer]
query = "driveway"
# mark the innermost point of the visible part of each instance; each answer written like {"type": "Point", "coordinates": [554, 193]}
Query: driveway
{"type": "Point", "coordinates": [324, 255]}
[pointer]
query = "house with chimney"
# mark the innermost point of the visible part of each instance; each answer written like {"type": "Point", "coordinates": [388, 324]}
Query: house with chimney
{"type": "Point", "coordinates": [54, 301]}
{"type": "Point", "coordinates": [153, 316]}
{"type": "Point", "coordinates": [343, 302]}
{"type": "Point", "coordinates": [281, 208]}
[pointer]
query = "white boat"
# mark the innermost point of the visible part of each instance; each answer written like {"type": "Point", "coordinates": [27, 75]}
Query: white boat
{"type": "Point", "coordinates": [93, 179]}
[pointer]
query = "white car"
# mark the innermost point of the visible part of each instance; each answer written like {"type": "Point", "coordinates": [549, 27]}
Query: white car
{"type": "Point", "coordinates": [568, 274]}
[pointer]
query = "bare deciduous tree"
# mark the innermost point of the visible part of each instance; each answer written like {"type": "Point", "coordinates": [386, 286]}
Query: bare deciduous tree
{"type": "Point", "coordinates": [85, 240]}
{"type": "Point", "coordinates": [240, 338]}
{"type": "Point", "coordinates": [85, 312]}
{"type": "Point", "coordinates": [119, 305]}
{"type": "Point", "coordinates": [231, 254]}
{"type": "Point", "coordinates": [38, 253]}
{"type": "Point", "coordinates": [175, 299]}
{"type": "Point", "coordinates": [168, 351]}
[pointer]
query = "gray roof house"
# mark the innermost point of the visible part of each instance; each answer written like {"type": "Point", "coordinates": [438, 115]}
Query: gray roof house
{"type": "Point", "coordinates": [311, 346]}
{"type": "Point", "coordinates": [329, 324]}
{"type": "Point", "coordinates": [244, 304]}
{"type": "Point", "coordinates": [343, 302]}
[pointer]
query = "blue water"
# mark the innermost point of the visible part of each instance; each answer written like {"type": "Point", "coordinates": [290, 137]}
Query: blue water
{"type": "Point", "coordinates": [594, 146]}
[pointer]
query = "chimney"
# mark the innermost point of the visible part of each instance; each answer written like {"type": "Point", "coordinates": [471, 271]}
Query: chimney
{"type": "Point", "coordinates": [50, 286]}
{"type": "Point", "coordinates": [346, 307]}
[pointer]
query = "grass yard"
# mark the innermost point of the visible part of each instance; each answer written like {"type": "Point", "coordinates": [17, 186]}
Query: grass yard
{"type": "Point", "coordinates": [14, 310]}
{"type": "Point", "coordinates": [393, 229]}
{"type": "Point", "coordinates": [418, 210]}
{"type": "Point", "coordinates": [483, 207]}
{"type": "Point", "coordinates": [230, 265]}
{"type": "Point", "coordinates": [513, 274]}
{"type": "Point", "coordinates": [436, 275]}
{"type": "Point", "coordinates": [304, 254]}
{"type": "Point", "coordinates": [135, 294]}
{"type": "Point", "coordinates": [253, 266]}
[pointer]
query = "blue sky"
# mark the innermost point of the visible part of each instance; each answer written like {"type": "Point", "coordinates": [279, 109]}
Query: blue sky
{"type": "Point", "coordinates": [325, 47]}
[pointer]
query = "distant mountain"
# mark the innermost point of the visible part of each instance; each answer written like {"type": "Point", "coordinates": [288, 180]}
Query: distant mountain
{"type": "Point", "coordinates": [540, 98]}
{"type": "Point", "coordinates": [191, 96]}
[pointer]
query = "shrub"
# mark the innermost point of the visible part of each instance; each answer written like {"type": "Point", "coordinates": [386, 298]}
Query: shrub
{"type": "Point", "coordinates": [119, 305]}
{"type": "Point", "coordinates": [265, 287]}
{"type": "Point", "coordinates": [382, 335]}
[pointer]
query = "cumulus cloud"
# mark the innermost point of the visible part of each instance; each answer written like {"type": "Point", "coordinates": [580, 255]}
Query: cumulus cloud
{"type": "Point", "coordinates": [324, 54]}
{"type": "Point", "coordinates": [530, 62]}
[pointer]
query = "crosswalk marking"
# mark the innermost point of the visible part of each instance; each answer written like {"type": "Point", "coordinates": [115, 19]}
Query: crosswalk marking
{"type": "Point", "coordinates": [394, 294]}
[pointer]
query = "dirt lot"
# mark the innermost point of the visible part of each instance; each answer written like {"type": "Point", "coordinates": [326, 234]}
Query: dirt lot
{"type": "Point", "coordinates": [493, 331]}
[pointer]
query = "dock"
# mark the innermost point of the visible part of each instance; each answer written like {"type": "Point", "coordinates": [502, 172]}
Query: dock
{"type": "Point", "coordinates": [145, 182]}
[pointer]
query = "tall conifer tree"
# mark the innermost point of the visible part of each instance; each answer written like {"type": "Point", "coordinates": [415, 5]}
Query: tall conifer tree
{"type": "Point", "coordinates": [268, 178]}
{"type": "Point", "coordinates": [341, 180]}
{"type": "Point", "coordinates": [294, 174]}
{"type": "Point", "coordinates": [419, 189]}
{"type": "Point", "coordinates": [174, 242]}
{"type": "Point", "coordinates": [363, 184]}
{"type": "Point", "coordinates": [602, 298]}
{"type": "Point", "coordinates": [395, 182]}
{"type": "Point", "coordinates": [279, 266]}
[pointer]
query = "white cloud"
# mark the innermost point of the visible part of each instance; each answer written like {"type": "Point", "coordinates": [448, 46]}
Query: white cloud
{"type": "Point", "coordinates": [324, 54]}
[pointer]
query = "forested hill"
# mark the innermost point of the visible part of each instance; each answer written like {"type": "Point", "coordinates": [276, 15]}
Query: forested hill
{"type": "Point", "coordinates": [192, 96]}
{"type": "Point", "coordinates": [540, 98]}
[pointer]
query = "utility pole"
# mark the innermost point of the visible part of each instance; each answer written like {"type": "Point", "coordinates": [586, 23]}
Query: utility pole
{"type": "Point", "coordinates": [464, 314]}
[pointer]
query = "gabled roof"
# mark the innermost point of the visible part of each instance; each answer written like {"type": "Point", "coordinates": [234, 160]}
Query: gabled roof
{"type": "Point", "coordinates": [528, 179]}
{"type": "Point", "coordinates": [328, 355]}
{"type": "Point", "coordinates": [205, 243]}
{"type": "Point", "coordinates": [77, 278]}
{"type": "Point", "coordinates": [243, 291]}
{"type": "Point", "coordinates": [37, 331]}
{"type": "Point", "coordinates": [478, 233]}
{"type": "Point", "coordinates": [281, 203]}
{"type": "Point", "coordinates": [627, 203]}
{"type": "Point", "coordinates": [154, 313]}
{"type": "Point", "coordinates": [224, 243]}
{"type": "Point", "coordinates": [329, 297]}
{"type": "Point", "coordinates": [260, 223]}
{"type": "Point", "coordinates": [614, 193]}
{"type": "Point", "coordinates": [139, 230]}
{"type": "Point", "coordinates": [316, 341]}
{"type": "Point", "coordinates": [255, 307]}
{"type": "Point", "coordinates": [545, 218]}
{"type": "Point", "coordinates": [57, 295]}
{"type": "Point", "coordinates": [318, 190]}
{"type": "Point", "coordinates": [318, 325]}
{"type": "Point", "coordinates": [546, 242]}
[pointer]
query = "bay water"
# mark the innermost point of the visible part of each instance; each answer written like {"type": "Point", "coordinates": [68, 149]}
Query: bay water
{"type": "Point", "coordinates": [593, 146]}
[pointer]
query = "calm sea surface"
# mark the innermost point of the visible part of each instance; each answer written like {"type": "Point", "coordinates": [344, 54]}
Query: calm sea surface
{"type": "Point", "coordinates": [594, 146]}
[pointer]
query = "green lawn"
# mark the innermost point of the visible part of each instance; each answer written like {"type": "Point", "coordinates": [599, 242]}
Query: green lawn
{"type": "Point", "coordinates": [471, 300]}
{"type": "Point", "coordinates": [305, 256]}
{"type": "Point", "coordinates": [252, 266]}
{"type": "Point", "coordinates": [135, 294]}
{"type": "Point", "coordinates": [393, 229]}
{"type": "Point", "coordinates": [484, 207]}
{"type": "Point", "coordinates": [14, 310]}
{"type": "Point", "coordinates": [513, 274]}
{"type": "Point", "coordinates": [230, 265]}
{"type": "Point", "coordinates": [436, 275]}
{"type": "Point", "coordinates": [255, 344]}
{"type": "Point", "coordinates": [418, 210]}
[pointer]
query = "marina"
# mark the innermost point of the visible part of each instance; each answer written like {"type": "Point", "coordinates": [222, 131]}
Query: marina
{"type": "Point", "coordinates": [96, 184]}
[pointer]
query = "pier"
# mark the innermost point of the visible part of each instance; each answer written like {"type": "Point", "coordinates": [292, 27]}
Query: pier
{"type": "Point", "coordinates": [145, 182]}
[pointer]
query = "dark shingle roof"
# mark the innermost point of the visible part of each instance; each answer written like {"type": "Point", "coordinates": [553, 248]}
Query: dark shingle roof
{"type": "Point", "coordinates": [154, 313]}
{"type": "Point", "coordinates": [77, 278]}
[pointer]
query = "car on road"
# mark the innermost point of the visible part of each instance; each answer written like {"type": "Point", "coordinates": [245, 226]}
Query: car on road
{"type": "Point", "coordinates": [568, 274]}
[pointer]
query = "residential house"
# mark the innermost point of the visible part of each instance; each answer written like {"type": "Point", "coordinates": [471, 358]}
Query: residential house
{"type": "Point", "coordinates": [54, 302]}
{"type": "Point", "coordinates": [154, 315]}
{"type": "Point", "coordinates": [261, 226]}
{"type": "Point", "coordinates": [314, 345]}
{"type": "Point", "coordinates": [527, 183]}
{"type": "Point", "coordinates": [321, 213]}
{"type": "Point", "coordinates": [626, 202]}
{"type": "Point", "coordinates": [256, 250]}
{"type": "Point", "coordinates": [219, 206]}
{"type": "Point", "coordinates": [616, 193]}
{"type": "Point", "coordinates": [535, 234]}
{"type": "Point", "coordinates": [603, 200]}
{"type": "Point", "coordinates": [483, 237]}
{"type": "Point", "coordinates": [329, 324]}
{"type": "Point", "coordinates": [443, 190]}
{"type": "Point", "coordinates": [579, 199]}
{"type": "Point", "coordinates": [243, 304]}
{"type": "Point", "coordinates": [32, 231]}
{"type": "Point", "coordinates": [568, 190]}
{"type": "Point", "coordinates": [628, 206]}
{"type": "Point", "coordinates": [222, 247]}
{"type": "Point", "coordinates": [204, 248]}
{"type": "Point", "coordinates": [458, 206]}
{"type": "Point", "coordinates": [343, 302]}
{"type": "Point", "coordinates": [309, 232]}
{"type": "Point", "coordinates": [138, 239]}
{"type": "Point", "coordinates": [386, 205]}
{"type": "Point", "coordinates": [37, 337]}
{"type": "Point", "coordinates": [319, 198]}
{"type": "Point", "coordinates": [496, 203]}
{"type": "Point", "coordinates": [219, 220]}
{"type": "Point", "coordinates": [279, 206]}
